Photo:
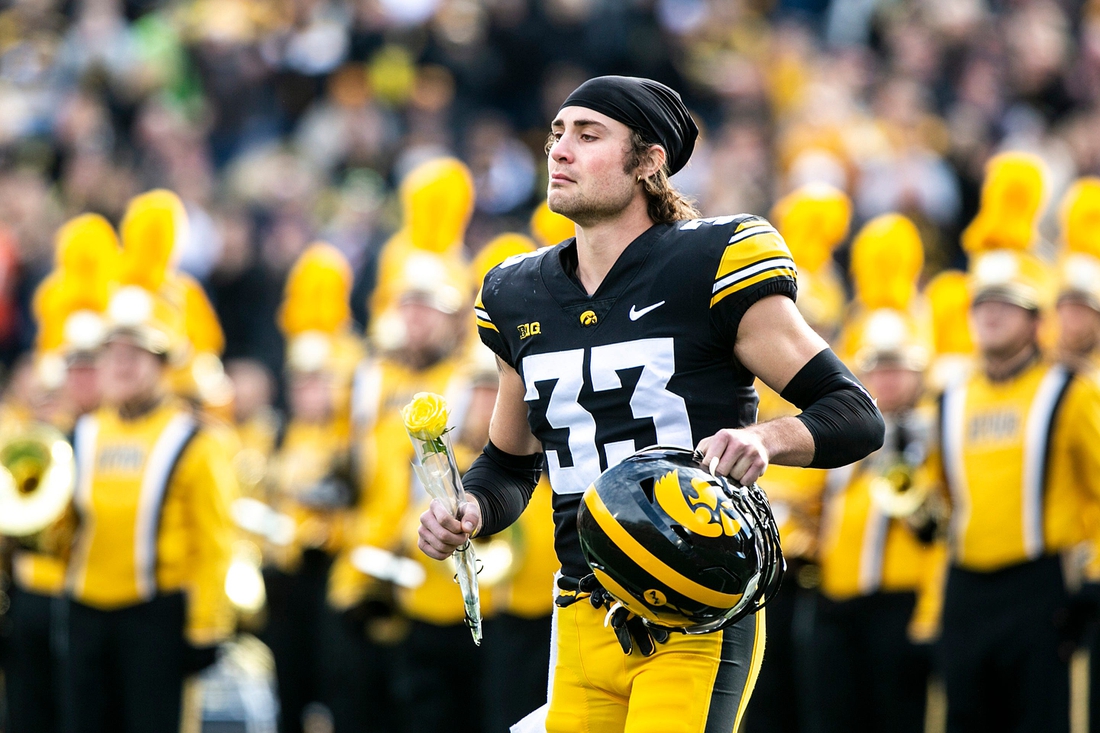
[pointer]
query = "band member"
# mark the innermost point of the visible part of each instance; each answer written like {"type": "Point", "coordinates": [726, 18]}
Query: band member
{"type": "Point", "coordinates": [1079, 282]}
{"type": "Point", "coordinates": [651, 324]}
{"type": "Point", "coordinates": [437, 200]}
{"type": "Point", "coordinates": [1078, 309]}
{"type": "Point", "coordinates": [68, 310]}
{"type": "Point", "coordinates": [311, 481]}
{"type": "Point", "coordinates": [880, 564]}
{"type": "Point", "coordinates": [154, 226]}
{"type": "Point", "coordinates": [425, 354]}
{"type": "Point", "coordinates": [813, 220]}
{"type": "Point", "coordinates": [146, 581]}
{"type": "Point", "coordinates": [1020, 454]}
{"type": "Point", "coordinates": [256, 422]}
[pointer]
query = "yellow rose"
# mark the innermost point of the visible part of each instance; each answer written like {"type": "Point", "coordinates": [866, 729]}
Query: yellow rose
{"type": "Point", "coordinates": [426, 416]}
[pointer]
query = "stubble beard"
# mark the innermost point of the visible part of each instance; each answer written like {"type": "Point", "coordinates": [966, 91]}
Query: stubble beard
{"type": "Point", "coordinates": [589, 210]}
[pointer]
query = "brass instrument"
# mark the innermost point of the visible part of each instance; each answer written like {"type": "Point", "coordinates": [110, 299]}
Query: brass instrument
{"type": "Point", "coordinates": [37, 481]}
{"type": "Point", "coordinates": [900, 493]}
{"type": "Point", "coordinates": [899, 497]}
{"type": "Point", "coordinates": [895, 492]}
{"type": "Point", "coordinates": [244, 581]}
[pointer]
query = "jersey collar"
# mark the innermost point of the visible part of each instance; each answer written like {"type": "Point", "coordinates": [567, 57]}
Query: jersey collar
{"type": "Point", "coordinates": [559, 270]}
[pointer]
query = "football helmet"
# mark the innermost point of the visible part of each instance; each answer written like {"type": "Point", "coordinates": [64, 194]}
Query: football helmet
{"type": "Point", "coordinates": [677, 546]}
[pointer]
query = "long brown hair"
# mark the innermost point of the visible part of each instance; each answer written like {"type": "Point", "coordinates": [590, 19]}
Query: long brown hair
{"type": "Point", "coordinates": [663, 202]}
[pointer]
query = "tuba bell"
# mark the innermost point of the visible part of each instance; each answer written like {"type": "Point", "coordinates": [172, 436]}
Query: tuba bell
{"type": "Point", "coordinates": [37, 480]}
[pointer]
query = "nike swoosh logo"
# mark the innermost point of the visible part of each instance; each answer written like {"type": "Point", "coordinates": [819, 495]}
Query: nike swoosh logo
{"type": "Point", "coordinates": [635, 314]}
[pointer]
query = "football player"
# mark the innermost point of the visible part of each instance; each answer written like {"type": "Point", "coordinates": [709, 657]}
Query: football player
{"type": "Point", "coordinates": [646, 328]}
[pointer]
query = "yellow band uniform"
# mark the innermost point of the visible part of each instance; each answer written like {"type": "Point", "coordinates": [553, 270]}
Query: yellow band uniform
{"type": "Point", "coordinates": [153, 495]}
{"type": "Point", "coordinates": [308, 455]}
{"type": "Point", "coordinates": [391, 501]}
{"type": "Point", "coordinates": [1022, 461]}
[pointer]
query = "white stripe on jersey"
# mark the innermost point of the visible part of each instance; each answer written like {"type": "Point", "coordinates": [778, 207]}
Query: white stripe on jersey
{"type": "Point", "coordinates": [751, 270]}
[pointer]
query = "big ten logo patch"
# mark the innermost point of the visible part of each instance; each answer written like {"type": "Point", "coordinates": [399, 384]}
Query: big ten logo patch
{"type": "Point", "coordinates": [526, 330]}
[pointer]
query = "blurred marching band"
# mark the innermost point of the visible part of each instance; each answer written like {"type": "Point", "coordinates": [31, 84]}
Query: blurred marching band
{"type": "Point", "coordinates": [306, 530]}
{"type": "Point", "coordinates": [161, 518]}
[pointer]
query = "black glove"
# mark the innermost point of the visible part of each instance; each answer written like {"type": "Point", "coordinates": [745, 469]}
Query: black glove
{"type": "Point", "coordinates": [630, 630]}
{"type": "Point", "coordinates": [198, 658]}
{"type": "Point", "coordinates": [633, 633]}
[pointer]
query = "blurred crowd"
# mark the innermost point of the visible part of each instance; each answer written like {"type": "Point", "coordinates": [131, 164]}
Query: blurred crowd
{"type": "Point", "coordinates": [336, 177]}
{"type": "Point", "coordinates": [283, 121]}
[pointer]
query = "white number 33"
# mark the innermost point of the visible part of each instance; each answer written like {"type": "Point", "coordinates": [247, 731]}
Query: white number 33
{"type": "Point", "coordinates": [651, 399]}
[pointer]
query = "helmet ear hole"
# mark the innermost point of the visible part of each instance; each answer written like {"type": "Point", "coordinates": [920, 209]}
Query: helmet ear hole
{"type": "Point", "coordinates": [646, 485]}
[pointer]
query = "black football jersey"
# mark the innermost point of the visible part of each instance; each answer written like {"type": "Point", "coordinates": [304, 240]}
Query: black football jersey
{"type": "Point", "coordinates": [645, 360]}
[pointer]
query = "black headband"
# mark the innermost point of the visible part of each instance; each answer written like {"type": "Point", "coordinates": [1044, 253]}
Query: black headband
{"type": "Point", "coordinates": [646, 106]}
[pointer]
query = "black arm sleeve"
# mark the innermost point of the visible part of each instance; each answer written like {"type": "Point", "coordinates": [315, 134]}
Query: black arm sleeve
{"type": "Point", "coordinates": [503, 484]}
{"type": "Point", "coordinates": [842, 418]}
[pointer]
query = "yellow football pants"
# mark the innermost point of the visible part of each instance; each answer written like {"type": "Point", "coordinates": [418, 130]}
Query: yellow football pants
{"type": "Point", "coordinates": [692, 684]}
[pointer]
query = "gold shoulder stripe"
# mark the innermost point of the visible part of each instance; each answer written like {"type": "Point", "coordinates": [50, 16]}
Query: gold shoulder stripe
{"type": "Point", "coordinates": [749, 247]}
{"type": "Point", "coordinates": [751, 224]}
{"type": "Point", "coordinates": [753, 279]}
{"type": "Point", "coordinates": [650, 563]}
{"type": "Point", "coordinates": [486, 324]}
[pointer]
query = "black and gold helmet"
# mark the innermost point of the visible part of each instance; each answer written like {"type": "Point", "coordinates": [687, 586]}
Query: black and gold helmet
{"type": "Point", "coordinates": [677, 546]}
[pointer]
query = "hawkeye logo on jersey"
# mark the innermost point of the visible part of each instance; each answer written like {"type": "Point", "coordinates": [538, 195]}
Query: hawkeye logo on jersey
{"type": "Point", "coordinates": [528, 329]}
{"type": "Point", "coordinates": [588, 318]}
{"type": "Point", "coordinates": [703, 510]}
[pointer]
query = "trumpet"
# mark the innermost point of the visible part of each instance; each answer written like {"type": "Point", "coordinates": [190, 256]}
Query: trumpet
{"type": "Point", "coordinates": [900, 492]}
{"type": "Point", "coordinates": [37, 481]}
{"type": "Point", "coordinates": [896, 494]}
{"type": "Point", "coordinates": [900, 496]}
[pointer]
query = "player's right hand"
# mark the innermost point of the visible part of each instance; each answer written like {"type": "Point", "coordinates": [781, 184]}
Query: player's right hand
{"type": "Point", "coordinates": [736, 453]}
{"type": "Point", "coordinates": [441, 533]}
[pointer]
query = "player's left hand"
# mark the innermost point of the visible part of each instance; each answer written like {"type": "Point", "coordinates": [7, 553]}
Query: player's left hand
{"type": "Point", "coordinates": [736, 453]}
{"type": "Point", "coordinates": [633, 633]}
